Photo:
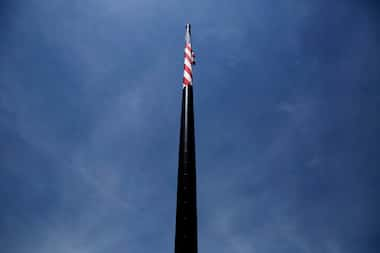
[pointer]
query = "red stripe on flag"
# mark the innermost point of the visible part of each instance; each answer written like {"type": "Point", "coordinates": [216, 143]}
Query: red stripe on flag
{"type": "Point", "coordinates": [186, 82]}
{"type": "Point", "coordinates": [188, 70]}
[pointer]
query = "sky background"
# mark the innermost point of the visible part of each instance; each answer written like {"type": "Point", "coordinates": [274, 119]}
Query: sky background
{"type": "Point", "coordinates": [287, 104]}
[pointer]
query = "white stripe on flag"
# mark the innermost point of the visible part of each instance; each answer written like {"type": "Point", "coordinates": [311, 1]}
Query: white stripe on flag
{"type": "Point", "coordinates": [187, 63]}
{"type": "Point", "coordinates": [187, 51]}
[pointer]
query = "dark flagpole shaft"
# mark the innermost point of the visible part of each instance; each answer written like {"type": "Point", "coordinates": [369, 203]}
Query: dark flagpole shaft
{"type": "Point", "coordinates": [186, 217]}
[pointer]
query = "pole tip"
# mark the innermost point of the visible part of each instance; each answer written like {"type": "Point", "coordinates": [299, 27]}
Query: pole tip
{"type": "Point", "coordinates": [188, 28]}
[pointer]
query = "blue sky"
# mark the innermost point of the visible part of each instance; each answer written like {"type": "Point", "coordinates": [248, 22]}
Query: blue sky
{"type": "Point", "coordinates": [286, 100]}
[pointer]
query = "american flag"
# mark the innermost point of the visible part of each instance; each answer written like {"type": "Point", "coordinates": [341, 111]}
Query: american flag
{"type": "Point", "coordinates": [189, 59]}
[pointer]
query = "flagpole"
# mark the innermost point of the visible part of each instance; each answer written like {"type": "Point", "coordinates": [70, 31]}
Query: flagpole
{"type": "Point", "coordinates": [186, 236]}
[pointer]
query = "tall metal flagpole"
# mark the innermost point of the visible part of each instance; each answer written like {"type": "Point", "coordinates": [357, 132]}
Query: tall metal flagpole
{"type": "Point", "coordinates": [186, 240]}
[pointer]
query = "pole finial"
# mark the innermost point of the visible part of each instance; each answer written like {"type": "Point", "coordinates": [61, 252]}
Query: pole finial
{"type": "Point", "coordinates": [188, 28]}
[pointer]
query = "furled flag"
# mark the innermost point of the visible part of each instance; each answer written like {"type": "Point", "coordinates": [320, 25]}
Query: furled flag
{"type": "Point", "coordinates": [189, 59]}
